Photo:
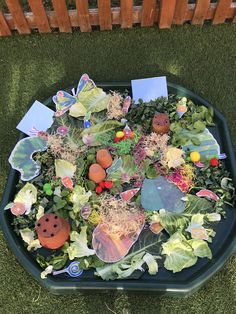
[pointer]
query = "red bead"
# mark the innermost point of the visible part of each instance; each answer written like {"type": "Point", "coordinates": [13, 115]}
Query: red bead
{"type": "Point", "coordinates": [108, 184]}
{"type": "Point", "coordinates": [102, 184]}
{"type": "Point", "coordinates": [98, 189]}
{"type": "Point", "coordinates": [214, 162]}
{"type": "Point", "coordinates": [116, 140]}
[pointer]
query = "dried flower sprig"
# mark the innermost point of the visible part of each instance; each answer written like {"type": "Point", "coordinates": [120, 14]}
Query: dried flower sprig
{"type": "Point", "coordinates": [150, 145]}
{"type": "Point", "coordinates": [63, 149]}
{"type": "Point", "coordinates": [115, 108]}
{"type": "Point", "coordinates": [121, 218]}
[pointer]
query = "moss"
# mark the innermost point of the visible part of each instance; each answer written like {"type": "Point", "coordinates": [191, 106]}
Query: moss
{"type": "Point", "coordinates": [35, 67]}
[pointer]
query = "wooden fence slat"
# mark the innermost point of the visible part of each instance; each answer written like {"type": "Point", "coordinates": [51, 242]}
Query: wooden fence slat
{"type": "Point", "coordinates": [221, 11]}
{"type": "Point", "coordinates": [126, 13]}
{"type": "Point", "coordinates": [62, 16]}
{"type": "Point", "coordinates": [200, 11]}
{"type": "Point", "coordinates": [40, 16]}
{"type": "Point", "coordinates": [167, 10]}
{"type": "Point", "coordinates": [104, 13]}
{"type": "Point", "coordinates": [181, 8]}
{"type": "Point", "coordinates": [17, 13]}
{"type": "Point", "coordinates": [4, 28]}
{"type": "Point", "coordinates": [148, 12]}
{"type": "Point", "coordinates": [83, 15]}
{"type": "Point", "coordinates": [7, 21]}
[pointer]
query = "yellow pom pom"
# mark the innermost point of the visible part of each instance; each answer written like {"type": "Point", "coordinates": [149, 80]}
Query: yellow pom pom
{"type": "Point", "coordinates": [195, 156]}
{"type": "Point", "coordinates": [94, 218]}
{"type": "Point", "coordinates": [120, 134]}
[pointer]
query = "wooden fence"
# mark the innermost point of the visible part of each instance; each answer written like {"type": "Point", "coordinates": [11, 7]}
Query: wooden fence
{"type": "Point", "coordinates": [162, 12]}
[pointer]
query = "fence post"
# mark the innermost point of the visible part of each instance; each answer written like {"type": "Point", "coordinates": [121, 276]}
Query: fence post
{"type": "Point", "coordinates": [83, 15]}
{"type": "Point", "coordinates": [221, 11]}
{"type": "Point", "coordinates": [148, 12]}
{"type": "Point", "coordinates": [62, 15]}
{"type": "Point", "coordinates": [180, 12]}
{"type": "Point", "coordinates": [167, 10]}
{"type": "Point", "coordinates": [18, 16]}
{"type": "Point", "coordinates": [4, 28]}
{"type": "Point", "coordinates": [40, 16]}
{"type": "Point", "coordinates": [104, 13]}
{"type": "Point", "coordinates": [200, 11]}
{"type": "Point", "coordinates": [126, 13]}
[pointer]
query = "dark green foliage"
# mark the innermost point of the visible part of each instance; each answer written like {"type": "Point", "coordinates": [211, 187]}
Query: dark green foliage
{"type": "Point", "coordinates": [195, 119]}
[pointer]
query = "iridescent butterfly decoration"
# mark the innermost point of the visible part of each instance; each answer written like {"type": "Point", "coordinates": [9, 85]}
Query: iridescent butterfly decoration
{"type": "Point", "coordinates": [64, 100]}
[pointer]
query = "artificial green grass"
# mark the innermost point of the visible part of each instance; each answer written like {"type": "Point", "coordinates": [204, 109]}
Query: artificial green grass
{"type": "Point", "coordinates": [36, 66]}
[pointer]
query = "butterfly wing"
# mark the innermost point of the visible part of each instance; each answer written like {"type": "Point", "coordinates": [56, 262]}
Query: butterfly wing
{"type": "Point", "coordinates": [63, 101]}
{"type": "Point", "coordinates": [85, 84]}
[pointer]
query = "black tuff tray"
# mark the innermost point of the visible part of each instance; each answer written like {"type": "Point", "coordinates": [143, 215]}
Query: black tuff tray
{"type": "Point", "coordinates": [165, 282]}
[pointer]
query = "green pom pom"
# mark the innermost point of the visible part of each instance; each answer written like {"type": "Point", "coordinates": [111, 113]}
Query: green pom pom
{"type": "Point", "coordinates": [48, 189]}
{"type": "Point", "coordinates": [47, 186]}
{"type": "Point", "coordinates": [49, 192]}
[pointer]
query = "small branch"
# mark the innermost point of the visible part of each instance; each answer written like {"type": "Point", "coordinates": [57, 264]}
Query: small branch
{"type": "Point", "coordinates": [110, 309]}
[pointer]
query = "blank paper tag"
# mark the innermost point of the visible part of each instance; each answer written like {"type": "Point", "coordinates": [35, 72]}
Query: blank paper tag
{"type": "Point", "coordinates": [149, 89]}
{"type": "Point", "coordinates": [38, 118]}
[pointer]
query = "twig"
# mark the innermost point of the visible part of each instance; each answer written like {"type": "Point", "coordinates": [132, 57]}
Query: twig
{"type": "Point", "coordinates": [110, 309]}
{"type": "Point", "coordinates": [35, 300]}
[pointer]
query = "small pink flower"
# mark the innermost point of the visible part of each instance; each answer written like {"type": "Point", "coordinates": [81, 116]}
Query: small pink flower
{"type": "Point", "coordinates": [88, 139]}
{"type": "Point", "coordinates": [125, 177]}
{"type": "Point", "coordinates": [62, 130]}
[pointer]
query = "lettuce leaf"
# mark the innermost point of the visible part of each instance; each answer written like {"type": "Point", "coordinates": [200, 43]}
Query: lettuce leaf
{"type": "Point", "coordinates": [46, 272]}
{"type": "Point", "coordinates": [64, 168]}
{"type": "Point", "coordinates": [179, 253]}
{"type": "Point", "coordinates": [27, 195]}
{"type": "Point", "coordinates": [151, 262]}
{"type": "Point", "coordinates": [29, 237]}
{"type": "Point", "coordinates": [79, 247]}
{"type": "Point", "coordinates": [125, 270]}
{"type": "Point", "coordinates": [200, 248]}
{"type": "Point", "coordinates": [182, 253]}
{"type": "Point", "coordinates": [79, 198]}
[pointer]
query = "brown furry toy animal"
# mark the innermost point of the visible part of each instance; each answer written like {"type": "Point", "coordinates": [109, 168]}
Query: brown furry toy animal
{"type": "Point", "coordinates": [161, 123]}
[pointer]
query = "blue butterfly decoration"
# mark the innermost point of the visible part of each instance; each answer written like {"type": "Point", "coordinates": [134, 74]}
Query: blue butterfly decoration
{"type": "Point", "coordinates": [64, 100]}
